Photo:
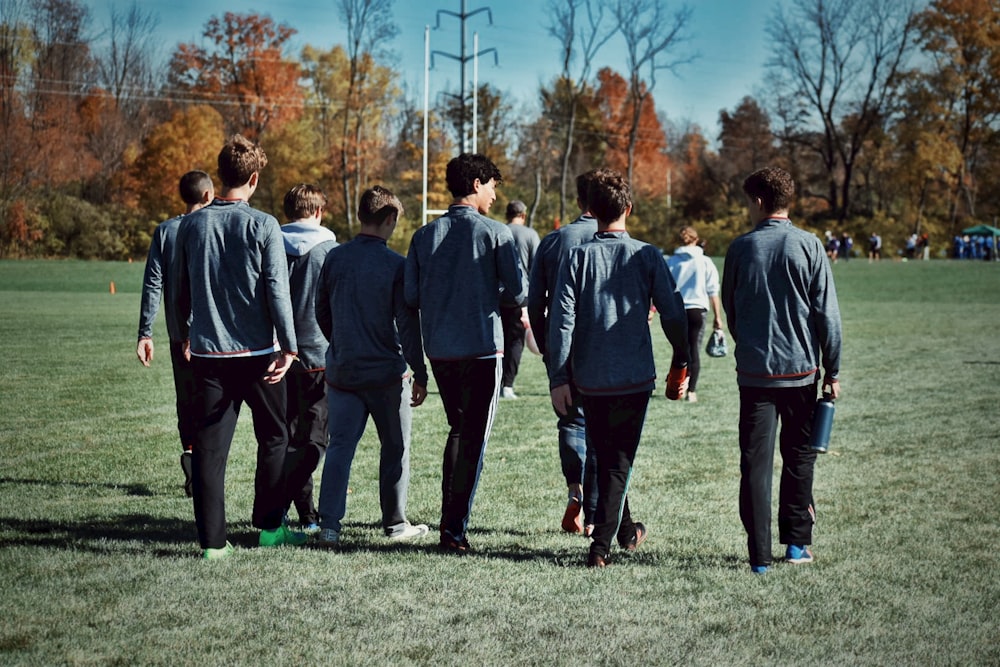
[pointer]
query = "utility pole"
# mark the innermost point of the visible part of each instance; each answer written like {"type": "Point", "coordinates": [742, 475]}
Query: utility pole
{"type": "Point", "coordinates": [462, 59]}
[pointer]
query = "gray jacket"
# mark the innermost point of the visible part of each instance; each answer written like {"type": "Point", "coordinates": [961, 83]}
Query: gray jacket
{"type": "Point", "coordinates": [156, 281]}
{"type": "Point", "coordinates": [306, 245]}
{"type": "Point", "coordinates": [598, 323]}
{"type": "Point", "coordinates": [232, 278]}
{"type": "Point", "coordinates": [360, 307]}
{"type": "Point", "coordinates": [781, 306]}
{"type": "Point", "coordinates": [455, 268]}
{"type": "Point", "coordinates": [545, 271]}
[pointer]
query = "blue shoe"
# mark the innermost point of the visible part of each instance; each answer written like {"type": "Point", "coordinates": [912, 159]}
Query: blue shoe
{"type": "Point", "coordinates": [758, 569]}
{"type": "Point", "coordinates": [796, 555]}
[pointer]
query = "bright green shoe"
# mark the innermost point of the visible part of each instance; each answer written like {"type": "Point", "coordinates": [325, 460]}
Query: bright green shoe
{"type": "Point", "coordinates": [218, 554]}
{"type": "Point", "coordinates": [282, 535]}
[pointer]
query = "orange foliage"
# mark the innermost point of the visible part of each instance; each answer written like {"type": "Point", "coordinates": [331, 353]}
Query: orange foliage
{"type": "Point", "coordinates": [651, 161]}
{"type": "Point", "coordinates": [245, 77]}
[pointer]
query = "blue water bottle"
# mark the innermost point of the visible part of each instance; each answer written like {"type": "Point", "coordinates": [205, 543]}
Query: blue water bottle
{"type": "Point", "coordinates": [822, 424]}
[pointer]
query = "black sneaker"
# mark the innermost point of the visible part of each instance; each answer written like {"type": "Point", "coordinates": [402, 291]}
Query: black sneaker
{"type": "Point", "coordinates": [186, 467]}
{"type": "Point", "coordinates": [597, 560]}
{"type": "Point", "coordinates": [452, 546]}
{"type": "Point", "coordinates": [640, 536]}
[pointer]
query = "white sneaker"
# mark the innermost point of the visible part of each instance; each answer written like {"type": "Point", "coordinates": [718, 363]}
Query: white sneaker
{"type": "Point", "coordinates": [410, 532]}
{"type": "Point", "coordinates": [328, 538]}
{"type": "Point", "coordinates": [508, 392]}
{"type": "Point", "coordinates": [692, 397]}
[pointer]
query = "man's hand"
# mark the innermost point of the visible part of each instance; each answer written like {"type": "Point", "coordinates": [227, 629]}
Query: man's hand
{"type": "Point", "coordinates": [144, 350]}
{"type": "Point", "coordinates": [562, 398]}
{"type": "Point", "coordinates": [279, 366]}
{"type": "Point", "coordinates": [417, 394]}
{"type": "Point", "coordinates": [187, 350]}
{"type": "Point", "coordinates": [832, 387]}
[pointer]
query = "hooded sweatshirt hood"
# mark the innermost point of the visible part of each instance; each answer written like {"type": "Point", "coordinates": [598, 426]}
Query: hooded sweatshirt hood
{"type": "Point", "coordinates": [301, 237]}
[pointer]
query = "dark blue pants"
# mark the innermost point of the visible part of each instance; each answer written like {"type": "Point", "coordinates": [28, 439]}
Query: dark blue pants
{"type": "Point", "coordinates": [469, 390]}
{"type": "Point", "coordinates": [223, 385]}
{"type": "Point", "coordinates": [576, 456]}
{"type": "Point", "coordinates": [760, 411]}
{"type": "Point", "coordinates": [184, 388]}
{"type": "Point", "coordinates": [614, 425]}
{"type": "Point", "coordinates": [308, 436]}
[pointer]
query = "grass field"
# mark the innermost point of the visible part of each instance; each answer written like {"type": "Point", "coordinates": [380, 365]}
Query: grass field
{"type": "Point", "coordinates": [98, 553]}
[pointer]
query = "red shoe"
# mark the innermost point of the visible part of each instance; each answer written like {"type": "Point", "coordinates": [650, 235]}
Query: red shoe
{"type": "Point", "coordinates": [572, 521]}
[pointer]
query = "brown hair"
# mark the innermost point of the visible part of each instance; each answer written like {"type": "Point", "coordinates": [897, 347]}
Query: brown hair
{"type": "Point", "coordinates": [303, 201]}
{"type": "Point", "coordinates": [608, 196]}
{"type": "Point", "coordinates": [688, 235]}
{"type": "Point", "coordinates": [773, 186]}
{"type": "Point", "coordinates": [377, 205]}
{"type": "Point", "coordinates": [238, 160]}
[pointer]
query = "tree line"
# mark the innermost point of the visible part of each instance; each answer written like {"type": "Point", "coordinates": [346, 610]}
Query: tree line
{"type": "Point", "coordinates": [886, 112]}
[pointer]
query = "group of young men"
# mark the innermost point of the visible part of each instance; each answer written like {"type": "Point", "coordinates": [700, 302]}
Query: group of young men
{"type": "Point", "coordinates": [316, 337]}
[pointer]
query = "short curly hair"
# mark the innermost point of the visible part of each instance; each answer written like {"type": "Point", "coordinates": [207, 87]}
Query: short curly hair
{"type": "Point", "coordinates": [462, 172]}
{"type": "Point", "coordinates": [773, 186]}
{"type": "Point", "coordinates": [609, 195]}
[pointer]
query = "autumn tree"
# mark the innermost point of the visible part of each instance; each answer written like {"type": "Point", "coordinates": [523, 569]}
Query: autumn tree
{"type": "Point", "coordinates": [582, 28]}
{"type": "Point", "coordinates": [244, 75]}
{"type": "Point", "coordinates": [351, 158]}
{"type": "Point", "coordinates": [369, 26]}
{"type": "Point", "coordinates": [191, 139]}
{"type": "Point", "coordinates": [842, 59]}
{"type": "Point", "coordinates": [959, 94]}
{"type": "Point", "coordinates": [652, 41]}
{"type": "Point", "coordinates": [495, 123]}
{"type": "Point", "coordinates": [118, 112]}
{"type": "Point", "coordinates": [643, 147]}
{"type": "Point", "coordinates": [746, 143]}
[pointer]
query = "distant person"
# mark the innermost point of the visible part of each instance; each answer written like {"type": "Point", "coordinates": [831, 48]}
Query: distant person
{"type": "Point", "coordinates": [874, 248]}
{"type": "Point", "coordinates": [373, 336]}
{"type": "Point", "coordinates": [232, 278]}
{"type": "Point", "coordinates": [911, 246]}
{"type": "Point", "coordinates": [846, 246]}
{"type": "Point", "coordinates": [196, 191]}
{"type": "Point", "coordinates": [513, 316]}
{"type": "Point", "coordinates": [697, 280]}
{"type": "Point", "coordinates": [307, 243]}
{"type": "Point", "coordinates": [924, 246]}
{"type": "Point", "coordinates": [602, 297]}
{"type": "Point", "coordinates": [577, 460]}
{"type": "Point", "coordinates": [455, 269]}
{"type": "Point", "coordinates": [781, 306]}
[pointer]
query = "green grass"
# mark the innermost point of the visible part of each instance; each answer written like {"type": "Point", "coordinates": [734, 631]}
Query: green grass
{"type": "Point", "coordinates": [99, 558]}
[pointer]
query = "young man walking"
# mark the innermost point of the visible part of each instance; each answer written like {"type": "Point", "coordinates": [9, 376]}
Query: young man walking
{"type": "Point", "coordinates": [455, 269]}
{"type": "Point", "coordinates": [373, 336]}
{"type": "Point", "coordinates": [579, 467]}
{"type": "Point", "coordinates": [783, 316]}
{"type": "Point", "coordinates": [196, 191]}
{"type": "Point", "coordinates": [232, 280]}
{"type": "Point", "coordinates": [602, 300]}
{"type": "Point", "coordinates": [514, 332]}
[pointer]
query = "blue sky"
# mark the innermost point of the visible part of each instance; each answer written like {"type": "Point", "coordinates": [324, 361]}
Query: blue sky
{"type": "Point", "coordinates": [728, 35]}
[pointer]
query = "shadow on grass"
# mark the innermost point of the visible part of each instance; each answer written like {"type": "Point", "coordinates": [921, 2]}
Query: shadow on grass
{"type": "Point", "coordinates": [103, 535]}
{"type": "Point", "coordinates": [140, 490]}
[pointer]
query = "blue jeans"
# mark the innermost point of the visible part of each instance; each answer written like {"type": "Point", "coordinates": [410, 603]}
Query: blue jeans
{"type": "Point", "coordinates": [579, 462]}
{"type": "Point", "coordinates": [389, 408]}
